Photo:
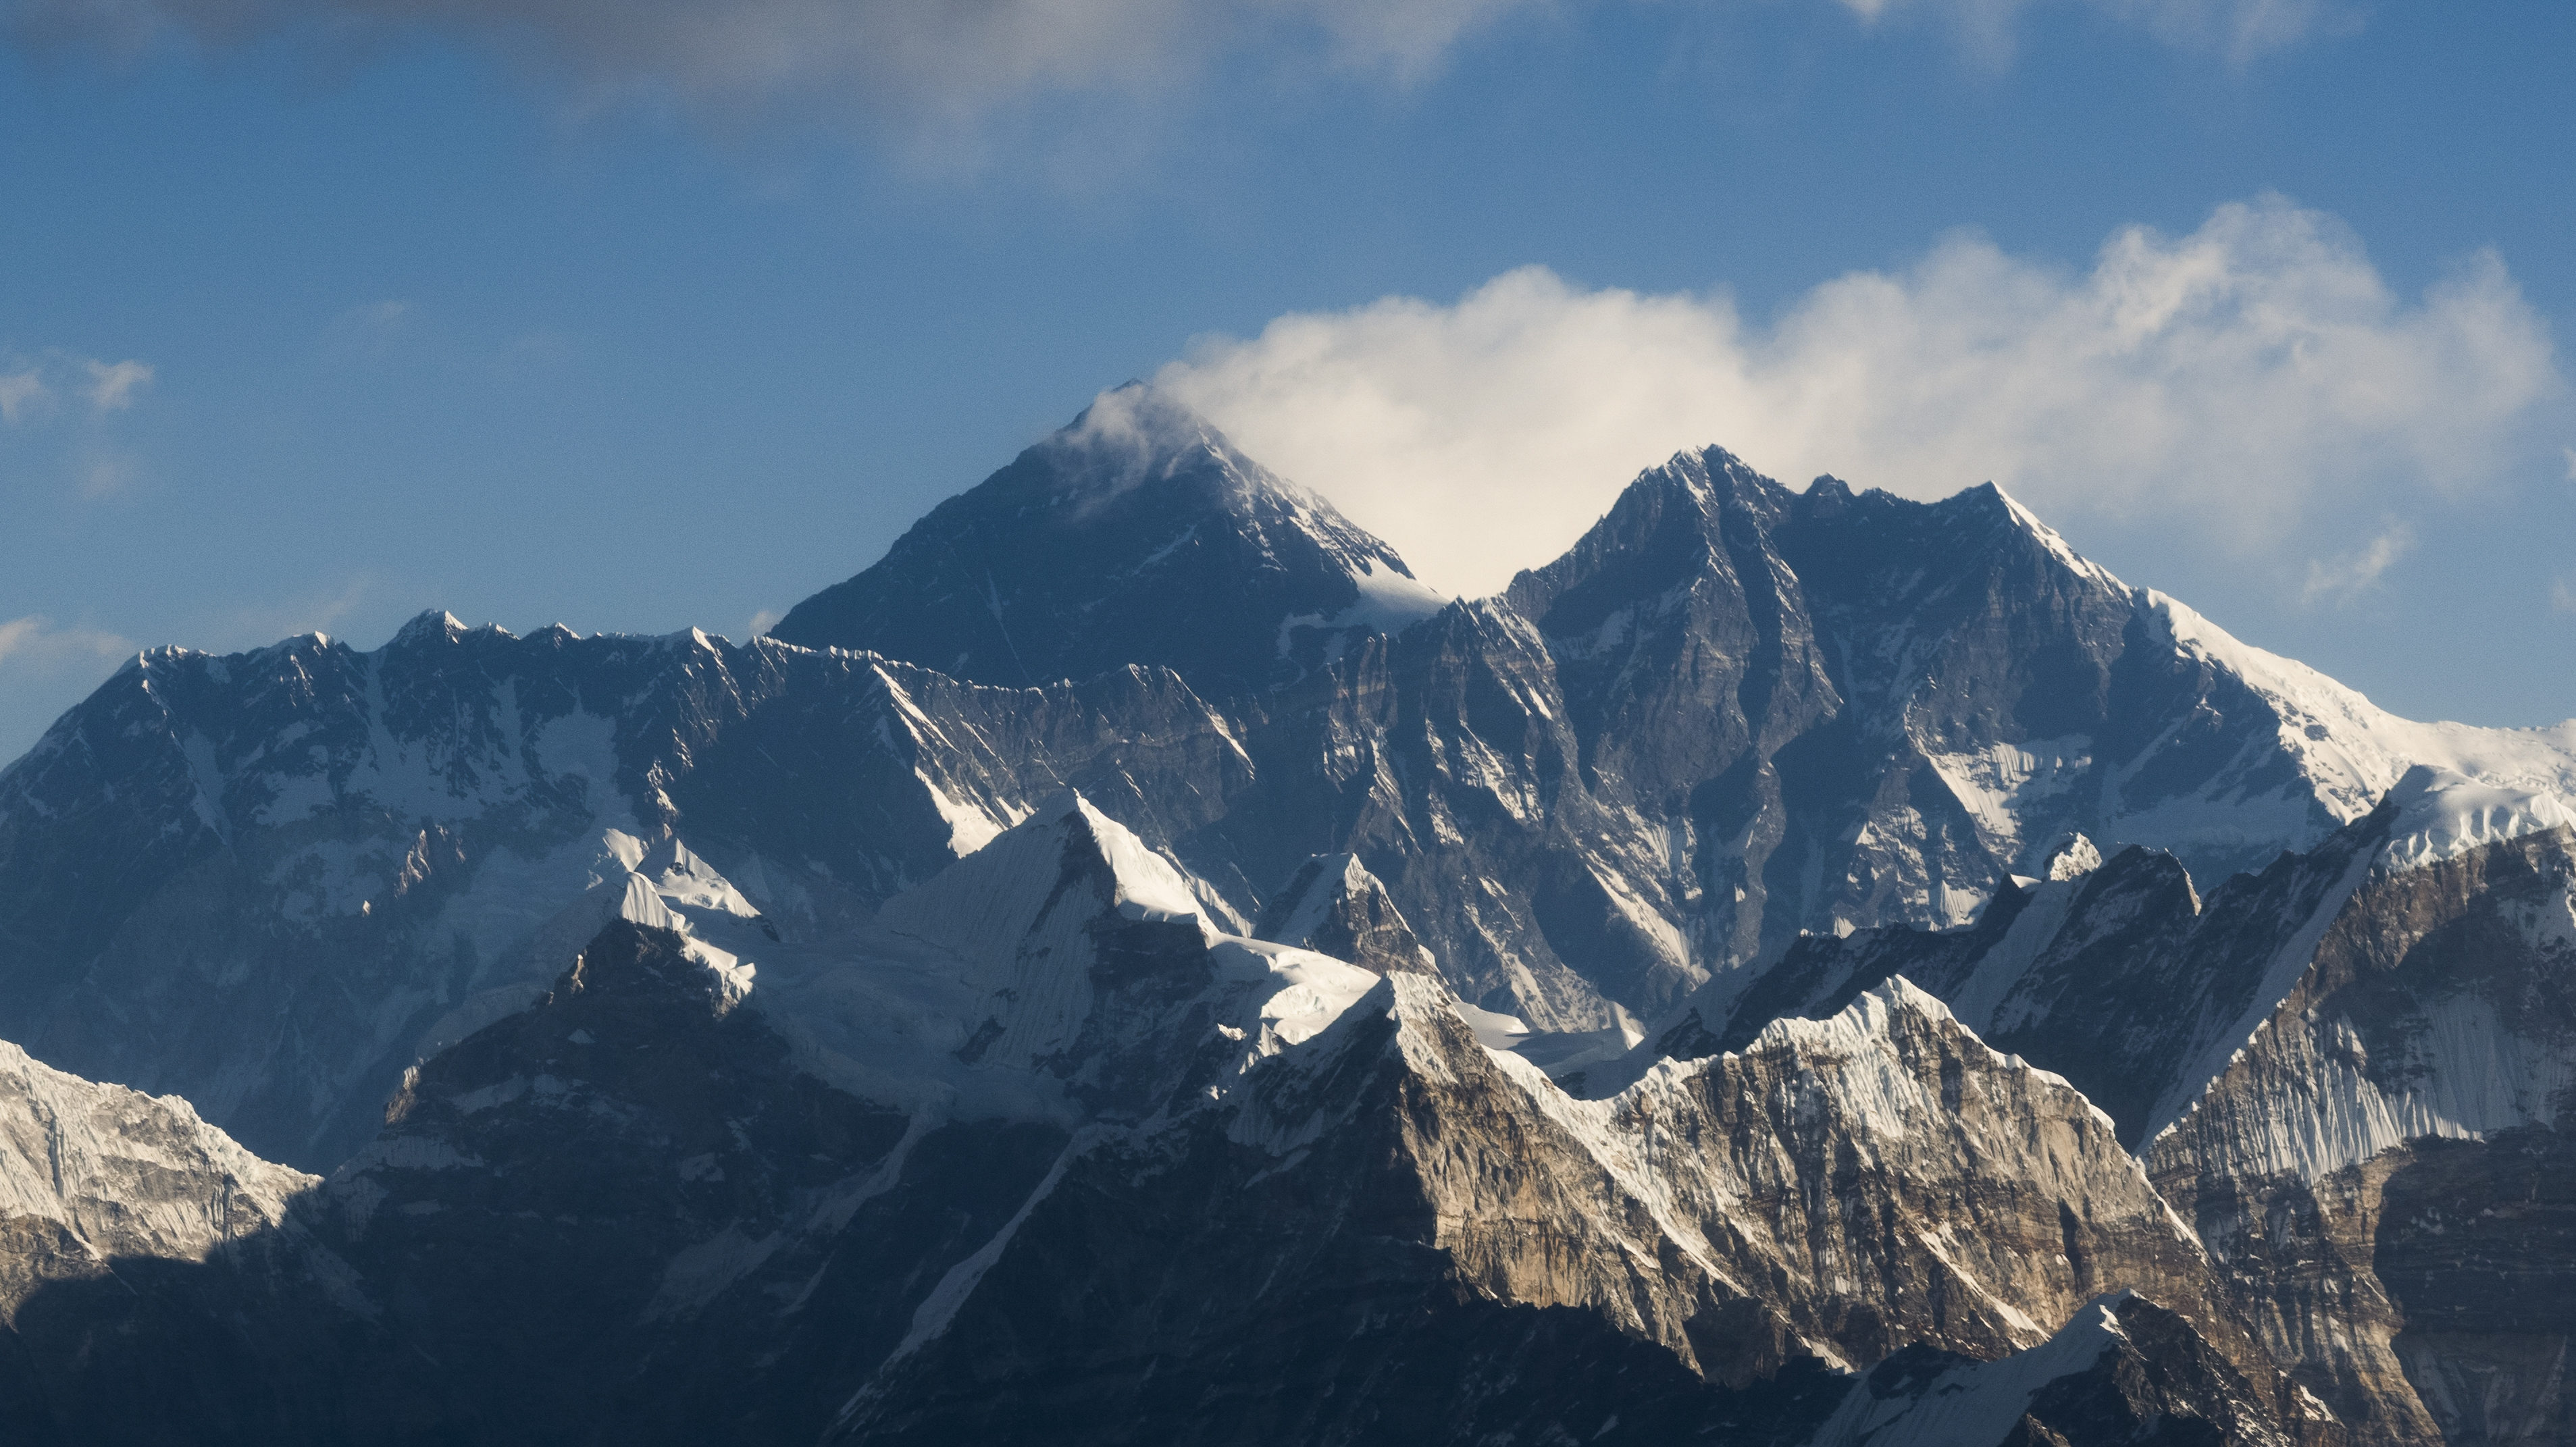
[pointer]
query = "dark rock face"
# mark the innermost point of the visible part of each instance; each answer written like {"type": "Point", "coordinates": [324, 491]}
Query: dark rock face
{"type": "Point", "coordinates": [2476, 1249]}
{"type": "Point", "coordinates": [2124, 1373]}
{"type": "Point", "coordinates": [2120, 978]}
{"type": "Point", "coordinates": [554, 1189]}
{"type": "Point", "coordinates": [627, 1212]}
{"type": "Point", "coordinates": [620, 1215]}
{"type": "Point", "coordinates": [2435, 1005]}
{"type": "Point", "coordinates": [1138, 535]}
{"type": "Point", "coordinates": [1334, 906]}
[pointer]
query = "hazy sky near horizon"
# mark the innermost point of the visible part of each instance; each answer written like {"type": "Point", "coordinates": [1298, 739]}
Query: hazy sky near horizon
{"type": "Point", "coordinates": [317, 313]}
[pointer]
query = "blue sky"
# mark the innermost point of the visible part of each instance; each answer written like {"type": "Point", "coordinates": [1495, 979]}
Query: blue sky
{"type": "Point", "coordinates": [315, 313]}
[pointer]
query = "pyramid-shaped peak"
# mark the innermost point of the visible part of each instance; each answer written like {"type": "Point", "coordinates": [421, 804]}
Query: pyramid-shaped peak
{"type": "Point", "coordinates": [1137, 436]}
{"type": "Point", "coordinates": [1333, 905]}
{"type": "Point", "coordinates": [1066, 861]}
{"type": "Point", "coordinates": [427, 626]}
{"type": "Point", "coordinates": [1139, 418]}
{"type": "Point", "coordinates": [1713, 478]}
{"type": "Point", "coordinates": [1667, 526]}
{"type": "Point", "coordinates": [1135, 535]}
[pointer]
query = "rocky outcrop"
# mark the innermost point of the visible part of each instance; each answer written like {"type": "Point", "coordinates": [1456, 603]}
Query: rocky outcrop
{"type": "Point", "coordinates": [1842, 1189]}
{"type": "Point", "coordinates": [131, 1234]}
{"type": "Point", "coordinates": [91, 1172]}
{"type": "Point", "coordinates": [2124, 1371]}
{"type": "Point", "coordinates": [2117, 976]}
{"type": "Point", "coordinates": [2406, 1085]}
{"type": "Point", "coordinates": [1334, 906]}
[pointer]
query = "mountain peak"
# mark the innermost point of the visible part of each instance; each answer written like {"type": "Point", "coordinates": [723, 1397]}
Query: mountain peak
{"type": "Point", "coordinates": [430, 623]}
{"type": "Point", "coordinates": [1137, 534]}
{"type": "Point", "coordinates": [1132, 432]}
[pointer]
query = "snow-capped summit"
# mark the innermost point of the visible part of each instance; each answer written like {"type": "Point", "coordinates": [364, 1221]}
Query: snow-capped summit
{"type": "Point", "coordinates": [1136, 535]}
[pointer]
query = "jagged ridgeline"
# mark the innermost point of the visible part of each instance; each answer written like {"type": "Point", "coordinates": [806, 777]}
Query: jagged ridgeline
{"type": "Point", "coordinates": [1136, 965]}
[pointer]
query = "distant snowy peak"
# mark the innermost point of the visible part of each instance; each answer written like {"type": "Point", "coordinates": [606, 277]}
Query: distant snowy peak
{"type": "Point", "coordinates": [1136, 535]}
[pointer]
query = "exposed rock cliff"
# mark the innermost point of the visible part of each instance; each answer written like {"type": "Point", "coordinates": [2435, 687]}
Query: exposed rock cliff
{"type": "Point", "coordinates": [2397, 1109]}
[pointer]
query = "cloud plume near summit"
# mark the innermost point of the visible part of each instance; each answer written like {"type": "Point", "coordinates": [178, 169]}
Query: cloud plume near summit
{"type": "Point", "coordinates": [2257, 375]}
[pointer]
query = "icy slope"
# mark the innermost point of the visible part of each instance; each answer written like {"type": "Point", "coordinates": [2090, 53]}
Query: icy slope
{"type": "Point", "coordinates": [1064, 970]}
{"type": "Point", "coordinates": [2458, 786]}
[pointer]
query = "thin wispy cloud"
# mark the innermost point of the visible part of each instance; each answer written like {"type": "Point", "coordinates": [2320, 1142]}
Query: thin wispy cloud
{"type": "Point", "coordinates": [317, 611]}
{"type": "Point", "coordinates": [23, 394]}
{"type": "Point", "coordinates": [112, 385]}
{"type": "Point", "coordinates": [944, 62]}
{"type": "Point", "coordinates": [2241, 30]}
{"type": "Point", "coordinates": [32, 390]}
{"type": "Point", "coordinates": [2254, 376]}
{"type": "Point", "coordinates": [2341, 580]}
{"type": "Point", "coordinates": [63, 407]}
{"type": "Point", "coordinates": [106, 473]}
{"type": "Point", "coordinates": [35, 641]}
{"type": "Point", "coordinates": [369, 330]}
{"type": "Point", "coordinates": [44, 664]}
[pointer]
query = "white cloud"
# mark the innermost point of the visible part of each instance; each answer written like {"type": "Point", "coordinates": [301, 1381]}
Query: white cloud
{"type": "Point", "coordinates": [764, 620]}
{"type": "Point", "coordinates": [112, 385]}
{"type": "Point", "coordinates": [957, 59]}
{"type": "Point", "coordinates": [36, 653]}
{"type": "Point", "coordinates": [23, 396]}
{"type": "Point", "coordinates": [367, 330]}
{"type": "Point", "coordinates": [2239, 29]}
{"type": "Point", "coordinates": [2343, 579]}
{"type": "Point", "coordinates": [107, 473]}
{"type": "Point", "coordinates": [2243, 376]}
{"type": "Point", "coordinates": [45, 668]}
{"type": "Point", "coordinates": [2562, 595]}
{"type": "Point", "coordinates": [29, 389]}
{"type": "Point", "coordinates": [256, 625]}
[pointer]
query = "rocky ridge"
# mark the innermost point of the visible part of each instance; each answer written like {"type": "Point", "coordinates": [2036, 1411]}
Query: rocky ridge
{"type": "Point", "coordinates": [1729, 714]}
{"type": "Point", "coordinates": [663, 1164]}
{"type": "Point", "coordinates": [875, 1040]}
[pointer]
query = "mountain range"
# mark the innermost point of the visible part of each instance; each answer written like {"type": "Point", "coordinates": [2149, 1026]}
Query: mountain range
{"type": "Point", "coordinates": [1136, 965]}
